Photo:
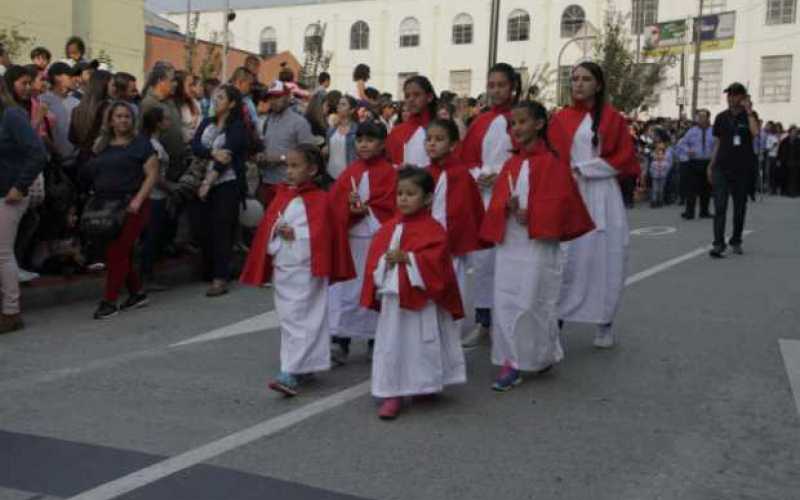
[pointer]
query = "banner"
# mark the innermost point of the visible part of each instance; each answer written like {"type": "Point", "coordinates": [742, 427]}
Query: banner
{"type": "Point", "coordinates": [717, 32]}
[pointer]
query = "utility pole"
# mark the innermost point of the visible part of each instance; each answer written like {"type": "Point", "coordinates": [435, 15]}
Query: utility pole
{"type": "Point", "coordinates": [698, 31]}
{"type": "Point", "coordinates": [494, 30]}
{"type": "Point", "coordinates": [188, 16]}
{"type": "Point", "coordinates": [225, 41]}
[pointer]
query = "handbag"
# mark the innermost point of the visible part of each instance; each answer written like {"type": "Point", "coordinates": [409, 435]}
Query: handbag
{"type": "Point", "coordinates": [103, 218]}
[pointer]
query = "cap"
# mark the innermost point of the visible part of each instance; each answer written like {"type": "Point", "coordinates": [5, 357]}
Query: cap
{"type": "Point", "coordinates": [278, 89]}
{"type": "Point", "coordinates": [736, 88]}
{"type": "Point", "coordinates": [58, 68]}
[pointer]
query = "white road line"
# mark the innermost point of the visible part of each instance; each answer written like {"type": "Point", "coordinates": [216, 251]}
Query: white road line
{"type": "Point", "coordinates": [204, 453]}
{"type": "Point", "coordinates": [208, 451]}
{"type": "Point", "coordinates": [257, 323]}
{"type": "Point", "coordinates": [790, 349]}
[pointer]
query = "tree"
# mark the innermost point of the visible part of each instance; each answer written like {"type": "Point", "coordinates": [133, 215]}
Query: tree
{"type": "Point", "coordinates": [630, 80]}
{"type": "Point", "coordinates": [191, 42]}
{"type": "Point", "coordinates": [540, 85]}
{"type": "Point", "coordinates": [105, 58]}
{"type": "Point", "coordinates": [211, 65]}
{"type": "Point", "coordinates": [15, 42]}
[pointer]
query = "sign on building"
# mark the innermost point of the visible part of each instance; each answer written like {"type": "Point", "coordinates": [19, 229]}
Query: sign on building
{"type": "Point", "coordinates": [717, 32]}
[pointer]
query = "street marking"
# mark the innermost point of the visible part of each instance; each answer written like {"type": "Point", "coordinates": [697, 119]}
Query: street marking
{"type": "Point", "coordinates": [654, 231]}
{"type": "Point", "coordinates": [160, 470]}
{"type": "Point", "coordinates": [670, 263]}
{"type": "Point", "coordinates": [257, 323]}
{"type": "Point", "coordinates": [790, 349]}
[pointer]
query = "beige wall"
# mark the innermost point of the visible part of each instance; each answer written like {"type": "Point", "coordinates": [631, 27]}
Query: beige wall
{"type": "Point", "coordinates": [117, 26]}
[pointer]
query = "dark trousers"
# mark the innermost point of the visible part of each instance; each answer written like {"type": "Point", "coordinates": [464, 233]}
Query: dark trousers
{"type": "Point", "coordinates": [154, 237]}
{"type": "Point", "coordinates": [731, 185]}
{"type": "Point", "coordinates": [214, 224]}
{"type": "Point", "coordinates": [683, 181]}
{"type": "Point", "coordinates": [119, 256]}
{"type": "Point", "coordinates": [697, 187]}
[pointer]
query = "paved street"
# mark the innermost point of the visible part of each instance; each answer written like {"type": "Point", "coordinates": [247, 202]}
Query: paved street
{"type": "Point", "coordinates": [695, 403]}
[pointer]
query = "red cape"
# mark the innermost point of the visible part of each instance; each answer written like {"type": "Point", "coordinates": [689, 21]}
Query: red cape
{"type": "Point", "coordinates": [330, 255]}
{"type": "Point", "coordinates": [464, 205]}
{"type": "Point", "coordinates": [555, 207]}
{"type": "Point", "coordinates": [382, 190]}
{"type": "Point", "coordinates": [401, 134]}
{"type": "Point", "coordinates": [617, 147]}
{"type": "Point", "coordinates": [426, 238]}
{"type": "Point", "coordinates": [472, 146]}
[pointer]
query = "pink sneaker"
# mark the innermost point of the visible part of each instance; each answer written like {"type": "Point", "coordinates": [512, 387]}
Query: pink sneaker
{"type": "Point", "coordinates": [389, 409]}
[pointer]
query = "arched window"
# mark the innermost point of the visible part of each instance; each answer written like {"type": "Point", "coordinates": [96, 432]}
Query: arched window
{"type": "Point", "coordinates": [519, 26]}
{"type": "Point", "coordinates": [313, 38]}
{"type": "Point", "coordinates": [268, 42]}
{"type": "Point", "coordinates": [359, 36]}
{"type": "Point", "coordinates": [572, 21]}
{"type": "Point", "coordinates": [409, 32]}
{"type": "Point", "coordinates": [462, 29]}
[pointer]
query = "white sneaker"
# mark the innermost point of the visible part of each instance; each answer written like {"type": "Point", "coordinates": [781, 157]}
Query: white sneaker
{"type": "Point", "coordinates": [478, 336]}
{"type": "Point", "coordinates": [26, 276]}
{"type": "Point", "coordinates": [604, 337]}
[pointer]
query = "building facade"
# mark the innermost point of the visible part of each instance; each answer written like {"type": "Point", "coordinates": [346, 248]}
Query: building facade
{"type": "Point", "coordinates": [113, 26]}
{"type": "Point", "coordinates": [448, 41]}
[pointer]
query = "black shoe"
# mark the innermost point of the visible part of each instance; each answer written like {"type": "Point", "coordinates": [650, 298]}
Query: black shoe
{"type": "Point", "coordinates": [135, 301]}
{"type": "Point", "coordinates": [737, 249]}
{"type": "Point", "coordinates": [717, 252]}
{"type": "Point", "coordinates": [687, 216]}
{"type": "Point", "coordinates": [706, 216]}
{"type": "Point", "coordinates": [106, 310]}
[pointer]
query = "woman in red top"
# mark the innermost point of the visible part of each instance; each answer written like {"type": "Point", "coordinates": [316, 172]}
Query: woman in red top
{"type": "Point", "coordinates": [406, 143]}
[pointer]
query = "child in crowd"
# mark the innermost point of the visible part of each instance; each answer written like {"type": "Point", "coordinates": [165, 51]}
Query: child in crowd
{"type": "Point", "coordinates": [296, 247]}
{"type": "Point", "coordinates": [62, 254]}
{"type": "Point", "coordinates": [457, 203]}
{"type": "Point", "coordinates": [362, 198]}
{"type": "Point", "coordinates": [406, 143]}
{"type": "Point", "coordinates": [535, 205]}
{"type": "Point", "coordinates": [410, 279]}
{"type": "Point", "coordinates": [660, 166]}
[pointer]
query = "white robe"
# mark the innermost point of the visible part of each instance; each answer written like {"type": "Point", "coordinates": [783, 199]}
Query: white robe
{"type": "Point", "coordinates": [301, 299]}
{"type": "Point", "coordinates": [414, 150]}
{"type": "Point", "coordinates": [525, 324]}
{"type": "Point", "coordinates": [416, 352]}
{"type": "Point", "coordinates": [347, 317]}
{"type": "Point", "coordinates": [594, 269]}
{"type": "Point", "coordinates": [495, 151]}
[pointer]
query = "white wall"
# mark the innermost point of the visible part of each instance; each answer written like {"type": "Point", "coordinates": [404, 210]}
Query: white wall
{"type": "Point", "coordinates": [437, 56]}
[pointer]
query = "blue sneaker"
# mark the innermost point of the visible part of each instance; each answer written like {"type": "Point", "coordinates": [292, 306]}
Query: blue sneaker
{"type": "Point", "coordinates": [507, 379]}
{"type": "Point", "coordinates": [286, 384]}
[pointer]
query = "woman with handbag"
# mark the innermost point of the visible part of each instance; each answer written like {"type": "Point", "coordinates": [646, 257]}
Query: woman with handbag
{"type": "Point", "coordinates": [222, 143]}
{"type": "Point", "coordinates": [22, 158]}
{"type": "Point", "coordinates": [123, 174]}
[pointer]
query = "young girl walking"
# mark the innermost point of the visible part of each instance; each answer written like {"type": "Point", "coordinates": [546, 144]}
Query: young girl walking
{"type": "Point", "coordinates": [295, 246]}
{"type": "Point", "coordinates": [406, 143]}
{"type": "Point", "coordinates": [410, 279]}
{"type": "Point", "coordinates": [362, 198]}
{"type": "Point", "coordinates": [535, 205]}
{"type": "Point", "coordinates": [457, 203]}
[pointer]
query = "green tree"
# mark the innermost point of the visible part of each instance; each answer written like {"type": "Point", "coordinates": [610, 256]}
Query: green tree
{"type": "Point", "coordinates": [15, 42]}
{"type": "Point", "coordinates": [631, 81]}
{"type": "Point", "coordinates": [105, 58]}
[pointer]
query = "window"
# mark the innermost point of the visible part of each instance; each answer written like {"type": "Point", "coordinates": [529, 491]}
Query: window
{"type": "Point", "coordinates": [409, 32]}
{"type": "Point", "coordinates": [713, 6]}
{"type": "Point", "coordinates": [462, 29]}
{"type": "Point", "coordinates": [709, 90]}
{"type": "Point", "coordinates": [781, 11]}
{"type": "Point", "coordinates": [519, 26]}
{"type": "Point", "coordinates": [313, 38]}
{"type": "Point", "coordinates": [564, 85]}
{"type": "Point", "coordinates": [269, 42]}
{"type": "Point", "coordinates": [401, 81]}
{"type": "Point", "coordinates": [645, 13]}
{"type": "Point", "coordinates": [359, 36]}
{"type": "Point", "coordinates": [461, 82]}
{"type": "Point", "coordinates": [572, 21]}
{"type": "Point", "coordinates": [776, 78]}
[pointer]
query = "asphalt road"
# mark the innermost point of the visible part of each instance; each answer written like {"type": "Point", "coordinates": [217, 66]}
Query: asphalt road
{"type": "Point", "coordinates": [696, 402]}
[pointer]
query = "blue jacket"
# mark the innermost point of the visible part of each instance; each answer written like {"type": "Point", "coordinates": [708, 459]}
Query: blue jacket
{"type": "Point", "coordinates": [22, 154]}
{"type": "Point", "coordinates": [350, 139]}
{"type": "Point", "coordinates": [236, 141]}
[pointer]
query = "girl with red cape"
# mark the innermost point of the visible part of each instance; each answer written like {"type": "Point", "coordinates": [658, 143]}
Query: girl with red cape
{"type": "Point", "coordinates": [594, 138]}
{"type": "Point", "coordinates": [486, 148]}
{"type": "Point", "coordinates": [362, 198]}
{"type": "Point", "coordinates": [296, 247]}
{"type": "Point", "coordinates": [411, 281]}
{"type": "Point", "coordinates": [406, 144]}
{"type": "Point", "coordinates": [535, 206]}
